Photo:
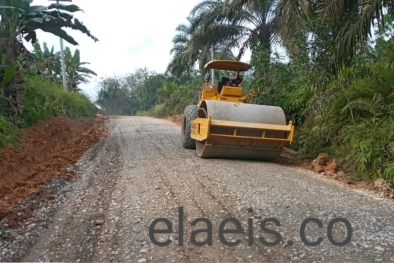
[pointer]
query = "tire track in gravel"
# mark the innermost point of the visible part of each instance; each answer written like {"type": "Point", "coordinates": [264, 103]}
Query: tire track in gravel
{"type": "Point", "coordinates": [247, 183]}
{"type": "Point", "coordinates": [208, 205]}
{"type": "Point", "coordinates": [291, 196]}
{"type": "Point", "coordinates": [137, 204]}
{"type": "Point", "coordinates": [170, 189]}
{"type": "Point", "coordinates": [218, 189]}
{"type": "Point", "coordinates": [183, 198]}
{"type": "Point", "coordinates": [215, 192]}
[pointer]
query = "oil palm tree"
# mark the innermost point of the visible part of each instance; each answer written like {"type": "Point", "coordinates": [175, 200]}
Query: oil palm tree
{"type": "Point", "coordinates": [187, 51]}
{"type": "Point", "coordinates": [180, 63]}
{"type": "Point", "coordinates": [348, 22]}
{"type": "Point", "coordinates": [220, 22]}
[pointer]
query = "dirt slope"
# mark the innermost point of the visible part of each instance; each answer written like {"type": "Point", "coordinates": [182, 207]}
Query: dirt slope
{"type": "Point", "coordinates": [140, 173]}
{"type": "Point", "coordinates": [46, 151]}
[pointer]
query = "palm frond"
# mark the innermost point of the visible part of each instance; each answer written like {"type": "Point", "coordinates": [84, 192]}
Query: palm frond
{"type": "Point", "coordinates": [358, 31]}
{"type": "Point", "coordinates": [295, 13]}
{"type": "Point", "coordinates": [330, 9]}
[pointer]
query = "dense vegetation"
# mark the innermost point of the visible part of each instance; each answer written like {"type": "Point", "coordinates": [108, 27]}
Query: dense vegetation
{"type": "Point", "coordinates": [30, 81]}
{"type": "Point", "coordinates": [148, 93]}
{"type": "Point", "coordinates": [336, 82]}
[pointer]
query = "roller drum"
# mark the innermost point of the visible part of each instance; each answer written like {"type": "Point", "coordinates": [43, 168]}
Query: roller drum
{"type": "Point", "coordinates": [240, 112]}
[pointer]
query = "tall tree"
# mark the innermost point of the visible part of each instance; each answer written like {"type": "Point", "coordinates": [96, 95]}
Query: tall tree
{"type": "Point", "coordinates": [180, 63]}
{"type": "Point", "coordinates": [236, 25]}
{"type": "Point", "coordinates": [347, 23]}
{"type": "Point", "coordinates": [188, 50]}
{"type": "Point", "coordinates": [115, 97]}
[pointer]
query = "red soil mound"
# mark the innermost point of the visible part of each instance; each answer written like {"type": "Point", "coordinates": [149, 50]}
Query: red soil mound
{"type": "Point", "coordinates": [46, 151]}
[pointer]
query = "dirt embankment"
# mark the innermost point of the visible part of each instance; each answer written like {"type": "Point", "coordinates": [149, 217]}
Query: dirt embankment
{"type": "Point", "coordinates": [325, 166]}
{"type": "Point", "coordinates": [47, 150]}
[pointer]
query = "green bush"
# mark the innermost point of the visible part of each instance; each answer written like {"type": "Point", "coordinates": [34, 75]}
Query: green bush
{"type": "Point", "coordinates": [143, 113]}
{"type": "Point", "coordinates": [159, 110]}
{"type": "Point", "coordinates": [42, 100]}
{"type": "Point", "coordinates": [352, 119]}
{"type": "Point", "coordinates": [8, 132]}
{"type": "Point", "coordinates": [77, 105]}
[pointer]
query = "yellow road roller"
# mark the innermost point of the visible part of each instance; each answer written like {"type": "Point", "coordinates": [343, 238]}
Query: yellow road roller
{"type": "Point", "coordinates": [225, 125]}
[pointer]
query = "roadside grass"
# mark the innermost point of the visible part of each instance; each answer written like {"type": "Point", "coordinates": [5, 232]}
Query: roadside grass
{"type": "Point", "coordinates": [42, 100]}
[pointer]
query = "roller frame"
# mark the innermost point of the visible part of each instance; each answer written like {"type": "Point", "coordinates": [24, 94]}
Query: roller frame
{"type": "Point", "coordinates": [200, 131]}
{"type": "Point", "coordinates": [236, 145]}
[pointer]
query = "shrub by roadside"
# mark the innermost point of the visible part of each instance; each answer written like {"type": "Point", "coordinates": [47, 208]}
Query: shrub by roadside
{"type": "Point", "coordinates": [42, 100]}
{"type": "Point", "coordinates": [157, 111]}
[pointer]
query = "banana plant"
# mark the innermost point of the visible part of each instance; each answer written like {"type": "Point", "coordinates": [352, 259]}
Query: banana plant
{"type": "Point", "coordinates": [75, 71]}
{"type": "Point", "coordinates": [51, 19]}
{"type": "Point", "coordinates": [48, 61]}
{"type": "Point", "coordinates": [20, 19]}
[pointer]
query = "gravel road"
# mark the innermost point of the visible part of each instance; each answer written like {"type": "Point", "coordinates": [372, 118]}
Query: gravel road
{"type": "Point", "coordinates": [141, 173]}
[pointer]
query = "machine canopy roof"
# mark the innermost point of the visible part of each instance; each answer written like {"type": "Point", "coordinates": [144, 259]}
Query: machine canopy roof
{"type": "Point", "coordinates": [231, 65]}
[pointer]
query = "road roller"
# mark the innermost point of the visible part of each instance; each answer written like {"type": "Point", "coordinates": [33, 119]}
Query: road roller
{"type": "Point", "coordinates": [224, 124]}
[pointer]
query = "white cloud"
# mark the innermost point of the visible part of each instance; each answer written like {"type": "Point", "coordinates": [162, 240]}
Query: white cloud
{"type": "Point", "coordinates": [132, 34]}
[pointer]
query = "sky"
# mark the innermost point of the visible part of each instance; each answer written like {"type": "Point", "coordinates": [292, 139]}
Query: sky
{"type": "Point", "coordinates": [132, 34]}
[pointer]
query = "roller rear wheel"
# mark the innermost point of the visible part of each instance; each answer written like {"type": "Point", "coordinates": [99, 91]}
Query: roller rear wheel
{"type": "Point", "coordinates": [189, 115]}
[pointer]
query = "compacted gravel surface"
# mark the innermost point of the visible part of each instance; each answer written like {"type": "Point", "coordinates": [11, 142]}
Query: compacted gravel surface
{"type": "Point", "coordinates": [141, 173]}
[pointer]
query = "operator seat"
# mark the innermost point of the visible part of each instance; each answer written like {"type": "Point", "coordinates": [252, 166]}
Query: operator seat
{"type": "Point", "coordinates": [222, 83]}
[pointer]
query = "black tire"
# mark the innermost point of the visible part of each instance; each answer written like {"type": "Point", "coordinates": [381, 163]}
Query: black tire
{"type": "Point", "coordinates": [189, 115]}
